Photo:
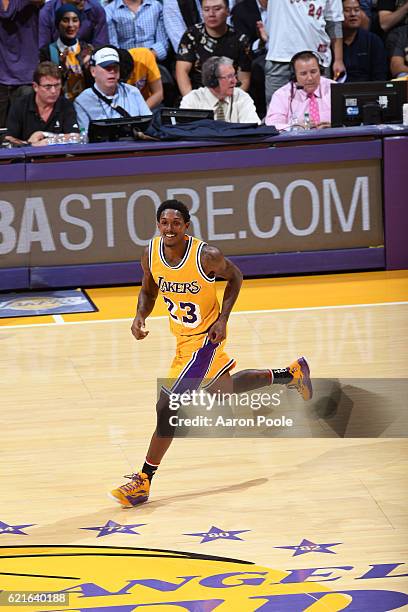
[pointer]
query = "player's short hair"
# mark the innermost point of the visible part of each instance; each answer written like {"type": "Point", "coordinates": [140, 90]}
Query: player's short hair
{"type": "Point", "coordinates": [174, 205]}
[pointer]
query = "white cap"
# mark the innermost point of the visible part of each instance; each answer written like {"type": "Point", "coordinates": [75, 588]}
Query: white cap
{"type": "Point", "coordinates": [105, 57]}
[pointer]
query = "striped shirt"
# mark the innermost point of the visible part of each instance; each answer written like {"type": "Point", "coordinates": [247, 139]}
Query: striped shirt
{"type": "Point", "coordinates": [145, 28]}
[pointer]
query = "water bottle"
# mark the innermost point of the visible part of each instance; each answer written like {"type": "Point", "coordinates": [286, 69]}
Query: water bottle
{"type": "Point", "coordinates": [72, 138]}
{"type": "Point", "coordinates": [294, 124]}
{"type": "Point", "coordinates": [306, 121]}
{"type": "Point", "coordinates": [83, 136]}
{"type": "Point", "coordinates": [405, 114]}
{"type": "Point", "coordinates": [52, 138]}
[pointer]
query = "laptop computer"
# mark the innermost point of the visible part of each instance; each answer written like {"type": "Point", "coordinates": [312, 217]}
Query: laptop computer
{"type": "Point", "coordinates": [122, 128]}
{"type": "Point", "coordinates": [176, 116]}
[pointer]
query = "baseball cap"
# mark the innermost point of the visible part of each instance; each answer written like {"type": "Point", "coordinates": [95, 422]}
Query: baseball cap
{"type": "Point", "coordinates": [105, 57]}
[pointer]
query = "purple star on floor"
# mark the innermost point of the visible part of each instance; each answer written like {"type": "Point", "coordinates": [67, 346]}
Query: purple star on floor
{"type": "Point", "coordinates": [111, 527]}
{"type": "Point", "coordinates": [215, 533]}
{"type": "Point", "coordinates": [15, 529]}
{"type": "Point", "coordinates": [306, 546]}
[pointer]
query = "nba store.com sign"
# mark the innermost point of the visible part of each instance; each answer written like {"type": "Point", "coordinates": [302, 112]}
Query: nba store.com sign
{"type": "Point", "coordinates": [301, 208]}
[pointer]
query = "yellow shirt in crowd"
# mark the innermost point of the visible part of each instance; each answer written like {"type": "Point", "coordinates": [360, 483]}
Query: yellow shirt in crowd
{"type": "Point", "coordinates": [145, 70]}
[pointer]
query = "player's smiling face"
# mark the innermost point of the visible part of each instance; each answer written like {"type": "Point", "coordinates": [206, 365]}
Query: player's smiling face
{"type": "Point", "coordinates": [172, 227]}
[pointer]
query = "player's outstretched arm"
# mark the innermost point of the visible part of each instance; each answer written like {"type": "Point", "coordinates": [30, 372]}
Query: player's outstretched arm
{"type": "Point", "coordinates": [215, 264]}
{"type": "Point", "coordinates": [146, 301]}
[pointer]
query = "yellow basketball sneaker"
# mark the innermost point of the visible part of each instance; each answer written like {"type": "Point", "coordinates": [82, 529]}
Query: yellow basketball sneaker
{"type": "Point", "coordinates": [134, 492]}
{"type": "Point", "coordinates": [301, 378]}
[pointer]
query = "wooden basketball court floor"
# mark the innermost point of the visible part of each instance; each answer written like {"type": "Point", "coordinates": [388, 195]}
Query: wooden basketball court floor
{"type": "Point", "coordinates": [77, 411]}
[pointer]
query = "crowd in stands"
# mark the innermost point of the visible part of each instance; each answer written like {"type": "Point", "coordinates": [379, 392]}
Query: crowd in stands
{"type": "Point", "coordinates": [66, 62]}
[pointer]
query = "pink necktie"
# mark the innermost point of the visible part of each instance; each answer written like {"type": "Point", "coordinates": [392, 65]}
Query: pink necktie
{"type": "Point", "coordinates": [313, 109]}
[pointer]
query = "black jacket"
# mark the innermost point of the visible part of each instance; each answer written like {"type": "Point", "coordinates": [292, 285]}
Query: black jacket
{"type": "Point", "coordinates": [244, 15]}
{"type": "Point", "coordinates": [23, 118]}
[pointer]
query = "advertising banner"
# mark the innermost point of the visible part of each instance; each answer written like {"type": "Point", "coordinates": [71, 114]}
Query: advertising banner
{"type": "Point", "coordinates": [306, 207]}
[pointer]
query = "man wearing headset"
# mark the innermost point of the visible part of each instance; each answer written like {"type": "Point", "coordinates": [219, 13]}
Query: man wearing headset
{"type": "Point", "coordinates": [108, 98]}
{"type": "Point", "coordinates": [221, 93]}
{"type": "Point", "coordinates": [305, 100]}
{"type": "Point", "coordinates": [293, 26]}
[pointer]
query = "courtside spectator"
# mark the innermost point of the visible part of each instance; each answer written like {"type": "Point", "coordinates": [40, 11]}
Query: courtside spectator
{"type": "Point", "coordinates": [363, 52]}
{"type": "Point", "coordinates": [180, 15]}
{"type": "Point", "coordinates": [137, 23]}
{"type": "Point", "coordinates": [221, 94]}
{"type": "Point", "coordinates": [68, 52]}
{"type": "Point", "coordinates": [108, 98]}
{"type": "Point", "coordinates": [305, 100]}
{"type": "Point", "coordinates": [295, 26]}
{"type": "Point", "coordinates": [93, 30]}
{"type": "Point", "coordinates": [213, 37]}
{"type": "Point", "coordinates": [140, 69]}
{"type": "Point", "coordinates": [44, 112]}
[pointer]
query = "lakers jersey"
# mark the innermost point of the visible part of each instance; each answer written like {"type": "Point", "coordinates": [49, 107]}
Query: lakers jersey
{"type": "Point", "coordinates": [189, 294]}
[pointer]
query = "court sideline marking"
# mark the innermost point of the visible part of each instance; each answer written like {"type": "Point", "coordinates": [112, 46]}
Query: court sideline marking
{"type": "Point", "coordinates": [60, 321]}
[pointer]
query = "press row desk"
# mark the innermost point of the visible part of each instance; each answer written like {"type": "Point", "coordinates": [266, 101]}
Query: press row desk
{"type": "Point", "coordinates": [129, 165]}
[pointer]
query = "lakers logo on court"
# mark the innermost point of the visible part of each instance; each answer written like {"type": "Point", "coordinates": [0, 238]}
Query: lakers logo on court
{"type": "Point", "coordinates": [125, 579]}
{"type": "Point", "coordinates": [119, 579]}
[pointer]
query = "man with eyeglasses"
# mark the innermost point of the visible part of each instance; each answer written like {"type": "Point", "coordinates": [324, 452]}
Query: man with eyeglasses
{"type": "Point", "coordinates": [221, 93]}
{"type": "Point", "coordinates": [34, 118]}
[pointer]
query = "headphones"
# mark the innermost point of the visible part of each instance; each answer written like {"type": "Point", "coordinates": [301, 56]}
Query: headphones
{"type": "Point", "coordinates": [213, 78]}
{"type": "Point", "coordinates": [292, 76]}
{"type": "Point", "coordinates": [210, 77]}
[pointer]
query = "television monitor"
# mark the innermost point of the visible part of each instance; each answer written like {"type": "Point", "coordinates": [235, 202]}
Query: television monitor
{"type": "Point", "coordinates": [368, 103]}
{"type": "Point", "coordinates": [175, 116]}
{"type": "Point", "coordinates": [122, 128]}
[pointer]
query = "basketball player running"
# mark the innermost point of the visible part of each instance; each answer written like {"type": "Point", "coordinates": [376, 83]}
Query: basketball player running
{"type": "Point", "coordinates": [183, 269]}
